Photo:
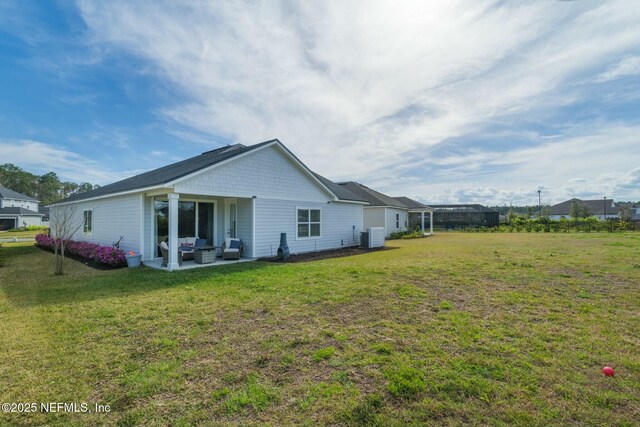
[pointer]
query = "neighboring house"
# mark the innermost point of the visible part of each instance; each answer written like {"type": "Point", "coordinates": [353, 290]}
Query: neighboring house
{"type": "Point", "coordinates": [395, 214]}
{"type": "Point", "coordinates": [417, 214]}
{"type": "Point", "coordinates": [45, 212]}
{"type": "Point", "coordinates": [464, 215]}
{"type": "Point", "coordinates": [598, 208]}
{"type": "Point", "coordinates": [18, 210]}
{"type": "Point", "coordinates": [250, 192]}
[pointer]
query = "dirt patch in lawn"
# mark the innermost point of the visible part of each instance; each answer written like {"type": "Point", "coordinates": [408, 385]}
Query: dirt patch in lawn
{"type": "Point", "coordinates": [333, 253]}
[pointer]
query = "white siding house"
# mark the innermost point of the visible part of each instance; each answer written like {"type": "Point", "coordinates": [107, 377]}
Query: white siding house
{"type": "Point", "coordinates": [601, 209]}
{"type": "Point", "coordinates": [18, 210]}
{"type": "Point", "coordinates": [392, 213]}
{"type": "Point", "coordinates": [253, 193]}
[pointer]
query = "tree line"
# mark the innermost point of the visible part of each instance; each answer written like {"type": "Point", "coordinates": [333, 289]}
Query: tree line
{"type": "Point", "coordinates": [47, 188]}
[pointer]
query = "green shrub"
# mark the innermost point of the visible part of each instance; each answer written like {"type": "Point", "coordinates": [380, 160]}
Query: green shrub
{"type": "Point", "coordinates": [28, 228]}
{"type": "Point", "coordinates": [396, 235]}
{"type": "Point", "coordinates": [413, 235]}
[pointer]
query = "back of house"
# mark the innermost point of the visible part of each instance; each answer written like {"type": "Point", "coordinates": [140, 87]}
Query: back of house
{"type": "Point", "coordinates": [254, 193]}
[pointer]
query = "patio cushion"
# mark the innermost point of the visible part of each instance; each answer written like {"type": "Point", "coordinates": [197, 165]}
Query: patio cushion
{"type": "Point", "coordinates": [227, 242]}
{"type": "Point", "coordinates": [232, 250]}
{"type": "Point", "coordinates": [164, 245]}
{"type": "Point", "coordinates": [235, 244]}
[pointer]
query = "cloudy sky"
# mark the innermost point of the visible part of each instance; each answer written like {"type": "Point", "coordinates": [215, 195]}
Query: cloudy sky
{"type": "Point", "coordinates": [450, 101]}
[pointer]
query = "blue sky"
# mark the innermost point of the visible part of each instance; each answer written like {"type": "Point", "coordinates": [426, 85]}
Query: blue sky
{"type": "Point", "coordinates": [470, 101]}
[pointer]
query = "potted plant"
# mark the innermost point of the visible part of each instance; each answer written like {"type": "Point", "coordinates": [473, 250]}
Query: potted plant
{"type": "Point", "coordinates": [133, 260]}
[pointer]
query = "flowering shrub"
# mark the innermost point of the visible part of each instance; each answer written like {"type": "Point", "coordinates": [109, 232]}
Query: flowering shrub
{"type": "Point", "coordinates": [91, 251]}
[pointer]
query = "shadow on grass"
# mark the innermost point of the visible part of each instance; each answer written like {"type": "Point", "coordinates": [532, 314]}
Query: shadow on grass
{"type": "Point", "coordinates": [82, 283]}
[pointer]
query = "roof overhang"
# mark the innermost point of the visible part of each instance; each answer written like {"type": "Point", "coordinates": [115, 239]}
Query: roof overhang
{"type": "Point", "coordinates": [106, 196]}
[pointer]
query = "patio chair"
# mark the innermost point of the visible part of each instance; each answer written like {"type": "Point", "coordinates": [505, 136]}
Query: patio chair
{"type": "Point", "coordinates": [232, 248]}
{"type": "Point", "coordinates": [164, 248]}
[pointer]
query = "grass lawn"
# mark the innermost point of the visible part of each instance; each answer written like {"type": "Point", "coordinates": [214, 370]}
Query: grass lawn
{"type": "Point", "coordinates": [20, 234]}
{"type": "Point", "coordinates": [456, 329]}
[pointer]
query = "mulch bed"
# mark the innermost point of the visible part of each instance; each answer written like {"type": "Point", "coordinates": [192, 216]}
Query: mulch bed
{"type": "Point", "coordinates": [88, 262]}
{"type": "Point", "coordinates": [332, 253]}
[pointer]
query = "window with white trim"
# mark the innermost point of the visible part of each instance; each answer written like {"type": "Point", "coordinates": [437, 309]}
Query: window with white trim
{"type": "Point", "coordinates": [397, 220]}
{"type": "Point", "coordinates": [88, 222]}
{"type": "Point", "coordinates": [308, 223]}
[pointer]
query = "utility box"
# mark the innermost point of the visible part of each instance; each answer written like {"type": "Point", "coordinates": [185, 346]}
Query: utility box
{"type": "Point", "coordinates": [376, 237]}
{"type": "Point", "coordinates": [364, 240]}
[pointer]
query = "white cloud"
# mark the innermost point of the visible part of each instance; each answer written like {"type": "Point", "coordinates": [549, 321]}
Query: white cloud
{"type": "Point", "coordinates": [626, 67]}
{"type": "Point", "coordinates": [38, 157]}
{"type": "Point", "coordinates": [360, 89]}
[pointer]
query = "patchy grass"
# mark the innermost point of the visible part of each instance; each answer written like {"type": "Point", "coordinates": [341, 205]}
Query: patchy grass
{"type": "Point", "coordinates": [455, 329]}
{"type": "Point", "coordinates": [323, 354]}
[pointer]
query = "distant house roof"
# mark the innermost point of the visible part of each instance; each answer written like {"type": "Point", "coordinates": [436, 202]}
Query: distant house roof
{"type": "Point", "coordinates": [6, 193]}
{"type": "Point", "coordinates": [473, 207]}
{"type": "Point", "coordinates": [44, 211]}
{"type": "Point", "coordinates": [19, 211]}
{"type": "Point", "coordinates": [411, 204]}
{"type": "Point", "coordinates": [342, 192]}
{"type": "Point", "coordinates": [373, 197]}
{"type": "Point", "coordinates": [174, 171]}
{"type": "Point", "coordinates": [594, 207]}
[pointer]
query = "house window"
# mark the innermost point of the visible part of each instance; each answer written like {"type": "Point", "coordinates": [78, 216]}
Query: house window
{"type": "Point", "coordinates": [308, 223]}
{"type": "Point", "coordinates": [397, 220]}
{"type": "Point", "coordinates": [88, 222]}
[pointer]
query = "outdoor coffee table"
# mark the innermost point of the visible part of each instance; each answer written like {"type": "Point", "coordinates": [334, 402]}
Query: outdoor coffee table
{"type": "Point", "coordinates": [204, 254]}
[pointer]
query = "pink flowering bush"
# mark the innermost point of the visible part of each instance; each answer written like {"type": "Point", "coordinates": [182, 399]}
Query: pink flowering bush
{"type": "Point", "coordinates": [90, 251]}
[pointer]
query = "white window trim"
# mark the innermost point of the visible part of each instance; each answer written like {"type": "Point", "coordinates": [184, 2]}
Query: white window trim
{"type": "Point", "coordinates": [87, 233]}
{"type": "Point", "coordinates": [296, 224]}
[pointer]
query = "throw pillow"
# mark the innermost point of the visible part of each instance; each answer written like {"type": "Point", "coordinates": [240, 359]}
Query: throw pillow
{"type": "Point", "coordinates": [235, 244]}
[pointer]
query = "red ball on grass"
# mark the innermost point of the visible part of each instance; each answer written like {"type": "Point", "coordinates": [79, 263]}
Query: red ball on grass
{"type": "Point", "coordinates": [608, 371]}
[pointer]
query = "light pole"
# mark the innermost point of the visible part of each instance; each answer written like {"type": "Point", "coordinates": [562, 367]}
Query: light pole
{"type": "Point", "coordinates": [539, 206]}
{"type": "Point", "coordinates": [604, 217]}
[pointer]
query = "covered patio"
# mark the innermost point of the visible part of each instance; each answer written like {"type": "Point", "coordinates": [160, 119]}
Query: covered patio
{"type": "Point", "coordinates": [191, 264]}
{"type": "Point", "coordinates": [178, 219]}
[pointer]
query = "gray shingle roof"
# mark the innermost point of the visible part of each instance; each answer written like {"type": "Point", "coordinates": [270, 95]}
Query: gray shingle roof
{"type": "Point", "coordinates": [183, 168]}
{"type": "Point", "coordinates": [6, 193]}
{"type": "Point", "coordinates": [373, 197]}
{"type": "Point", "coordinates": [339, 190]}
{"type": "Point", "coordinates": [168, 173]}
{"type": "Point", "coordinates": [410, 203]}
{"type": "Point", "coordinates": [473, 207]}
{"type": "Point", "coordinates": [594, 207]}
{"type": "Point", "coordinates": [18, 211]}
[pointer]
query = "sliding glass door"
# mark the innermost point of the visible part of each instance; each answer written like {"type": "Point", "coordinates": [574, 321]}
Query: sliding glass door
{"type": "Point", "coordinates": [195, 219]}
{"type": "Point", "coordinates": [205, 222]}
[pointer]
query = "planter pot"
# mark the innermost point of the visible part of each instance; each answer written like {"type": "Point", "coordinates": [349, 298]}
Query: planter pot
{"type": "Point", "coordinates": [133, 261]}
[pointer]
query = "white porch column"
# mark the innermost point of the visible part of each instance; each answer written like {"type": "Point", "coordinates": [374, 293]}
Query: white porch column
{"type": "Point", "coordinates": [422, 222]}
{"type": "Point", "coordinates": [173, 231]}
{"type": "Point", "coordinates": [253, 227]}
{"type": "Point", "coordinates": [431, 222]}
